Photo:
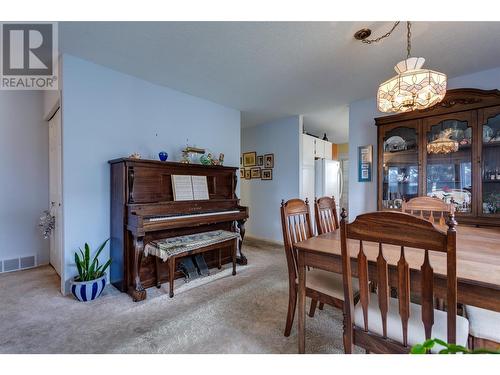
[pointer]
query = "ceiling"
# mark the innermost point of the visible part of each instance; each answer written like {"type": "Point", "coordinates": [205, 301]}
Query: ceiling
{"type": "Point", "coordinates": [274, 69]}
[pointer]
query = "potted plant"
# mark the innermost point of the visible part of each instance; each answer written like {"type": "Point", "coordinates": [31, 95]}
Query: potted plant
{"type": "Point", "coordinates": [91, 279]}
{"type": "Point", "coordinates": [446, 348]}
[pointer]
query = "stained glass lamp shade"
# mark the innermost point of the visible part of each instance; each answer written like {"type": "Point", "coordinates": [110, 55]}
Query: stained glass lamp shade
{"type": "Point", "coordinates": [413, 88]}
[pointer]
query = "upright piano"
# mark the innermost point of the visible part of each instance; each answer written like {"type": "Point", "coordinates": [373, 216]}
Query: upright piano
{"type": "Point", "coordinates": [143, 210]}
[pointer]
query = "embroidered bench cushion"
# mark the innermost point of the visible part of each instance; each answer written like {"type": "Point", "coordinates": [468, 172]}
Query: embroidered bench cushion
{"type": "Point", "coordinates": [167, 247]}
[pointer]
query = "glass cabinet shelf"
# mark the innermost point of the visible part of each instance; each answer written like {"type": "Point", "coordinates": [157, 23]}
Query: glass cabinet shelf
{"type": "Point", "coordinates": [400, 167]}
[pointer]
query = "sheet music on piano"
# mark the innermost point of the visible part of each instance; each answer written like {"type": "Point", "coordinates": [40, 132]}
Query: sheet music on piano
{"type": "Point", "coordinates": [187, 188]}
{"type": "Point", "coordinates": [200, 187]}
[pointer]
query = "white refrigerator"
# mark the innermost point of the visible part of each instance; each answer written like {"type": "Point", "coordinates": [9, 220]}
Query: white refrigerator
{"type": "Point", "coordinates": [328, 180]}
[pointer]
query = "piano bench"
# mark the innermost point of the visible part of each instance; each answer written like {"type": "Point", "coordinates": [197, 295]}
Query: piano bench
{"type": "Point", "coordinates": [227, 240]}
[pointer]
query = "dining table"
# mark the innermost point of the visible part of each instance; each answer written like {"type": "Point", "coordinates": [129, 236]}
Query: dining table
{"type": "Point", "coordinates": [478, 266]}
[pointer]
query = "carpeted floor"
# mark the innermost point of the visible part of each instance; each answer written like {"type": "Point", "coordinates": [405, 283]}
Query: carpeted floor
{"type": "Point", "coordinates": [241, 314]}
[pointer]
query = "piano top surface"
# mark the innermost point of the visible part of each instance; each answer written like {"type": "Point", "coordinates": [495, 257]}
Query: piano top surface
{"type": "Point", "coordinates": [169, 163]}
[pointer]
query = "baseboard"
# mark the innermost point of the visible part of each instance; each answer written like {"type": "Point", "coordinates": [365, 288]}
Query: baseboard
{"type": "Point", "coordinates": [263, 240]}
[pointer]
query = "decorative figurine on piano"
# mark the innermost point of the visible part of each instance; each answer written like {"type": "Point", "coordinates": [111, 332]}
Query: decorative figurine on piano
{"type": "Point", "coordinates": [206, 159]}
{"type": "Point", "coordinates": [215, 161]}
{"type": "Point", "coordinates": [163, 155]}
{"type": "Point", "coordinates": [190, 154]}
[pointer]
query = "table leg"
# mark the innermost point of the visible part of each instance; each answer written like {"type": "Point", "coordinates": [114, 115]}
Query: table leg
{"type": "Point", "coordinates": [302, 302]}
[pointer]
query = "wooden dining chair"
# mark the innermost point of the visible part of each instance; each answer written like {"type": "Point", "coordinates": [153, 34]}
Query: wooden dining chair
{"type": "Point", "coordinates": [484, 328]}
{"type": "Point", "coordinates": [325, 213]}
{"type": "Point", "coordinates": [429, 208]}
{"type": "Point", "coordinates": [321, 286]}
{"type": "Point", "coordinates": [382, 324]}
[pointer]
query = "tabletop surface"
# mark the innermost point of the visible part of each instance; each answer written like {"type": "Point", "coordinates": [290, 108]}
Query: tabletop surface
{"type": "Point", "coordinates": [478, 253]}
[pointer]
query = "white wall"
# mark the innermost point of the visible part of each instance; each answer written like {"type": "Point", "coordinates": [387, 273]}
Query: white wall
{"type": "Point", "coordinates": [24, 174]}
{"type": "Point", "coordinates": [263, 198]}
{"type": "Point", "coordinates": [362, 131]}
{"type": "Point", "coordinates": [107, 115]}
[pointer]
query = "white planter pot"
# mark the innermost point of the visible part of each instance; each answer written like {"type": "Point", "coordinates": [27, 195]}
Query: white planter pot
{"type": "Point", "coordinates": [85, 291]}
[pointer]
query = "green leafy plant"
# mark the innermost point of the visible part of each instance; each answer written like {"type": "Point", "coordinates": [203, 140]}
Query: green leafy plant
{"type": "Point", "coordinates": [90, 270]}
{"type": "Point", "coordinates": [447, 348]}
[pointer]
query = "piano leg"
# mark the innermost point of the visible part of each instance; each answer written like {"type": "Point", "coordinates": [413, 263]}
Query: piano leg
{"type": "Point", "coordinates": [157, 270]}
{"type": "Point", "coordinates": [171, 276]}
{"type": "Point", "coordinates": [242, 259]}
{"type": "Point", "coordinates": [234, 250]}
{"type": "Point", "coordinates": [137, 291]}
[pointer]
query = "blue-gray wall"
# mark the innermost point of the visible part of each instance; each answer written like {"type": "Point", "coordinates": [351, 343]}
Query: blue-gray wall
{"type": "Point", "coordinates": [362, 131]}
{"type": "Point", "coordinates": [24, 174]}
{"type": "Point", "coordinates": [107, 115]}
{"type": "Point", "coordinates": [280, 137]}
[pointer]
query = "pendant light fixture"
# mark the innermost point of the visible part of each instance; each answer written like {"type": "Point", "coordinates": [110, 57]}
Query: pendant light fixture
{"type": "Point", "coordinates": [443, 144]}
{"type": "Point", "coordinates": [413, 87]}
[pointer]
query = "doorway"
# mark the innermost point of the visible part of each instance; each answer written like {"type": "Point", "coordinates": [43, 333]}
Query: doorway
{"type": "Point", "coordinates": [55, 190]}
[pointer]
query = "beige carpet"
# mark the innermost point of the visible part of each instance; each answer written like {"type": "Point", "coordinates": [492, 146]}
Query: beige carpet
{"type": "Point", "coordinates": [241, 314]}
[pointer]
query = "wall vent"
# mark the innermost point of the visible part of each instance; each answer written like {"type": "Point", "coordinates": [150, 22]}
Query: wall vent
{"type": "Point", "coordinates": [10, 265]}
{"type": "Point", "coordinates": [27, 262]}
{"type": "Point", "coordinates": [15, 264]}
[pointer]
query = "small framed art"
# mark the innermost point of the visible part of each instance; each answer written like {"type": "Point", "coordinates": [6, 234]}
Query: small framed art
{"type": "Point", "coordinates": [249, 159]}
{"type": "Point", "coordinates": [255, 172]}
{"type": "Point", "coordinates": [242, 172]}
{"type": "Point", "coordinates": [267, 174]}
{"type": "Point", "coordinates": [248, 175]}
{"type": "Point", "coordinates": [365, 160]}
{"type": "Point", "coordinates": [260, 160]}
{"type": "Point", "coordinates": [269, 161]}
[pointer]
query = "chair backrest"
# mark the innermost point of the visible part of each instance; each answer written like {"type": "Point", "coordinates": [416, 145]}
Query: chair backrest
{"type": "Point", "coordinates": [325, 212]}
{"type": "Point", "coordinates": [296, 225]}
{"type": "Point", "coordinates": [402, 230]}
{"type": "Point", "coordinates": [435, 208]}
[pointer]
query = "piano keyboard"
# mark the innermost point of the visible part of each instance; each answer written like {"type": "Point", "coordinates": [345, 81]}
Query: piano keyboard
{"type": "Point", "coordinates": [173, 217]}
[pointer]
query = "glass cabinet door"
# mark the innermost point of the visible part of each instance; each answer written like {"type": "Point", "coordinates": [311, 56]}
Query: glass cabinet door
{"type": "Point", "coordinates": [399, 166]}
{"type": "Point", "coordinates": [490, 171]}
{"type": "Point", "coordinates": [449, 151]}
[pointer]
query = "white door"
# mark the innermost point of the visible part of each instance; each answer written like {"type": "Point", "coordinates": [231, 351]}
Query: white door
{"type": "Point", "coordinates": [55, 189]}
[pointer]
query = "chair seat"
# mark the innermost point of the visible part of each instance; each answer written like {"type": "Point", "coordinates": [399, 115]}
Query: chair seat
{"type": "Point", "coordinates": [484, 324]}
{"type": "Point", "coordinates": [329, 283]}
{"type": "Point", "coordinates": [416, 332]}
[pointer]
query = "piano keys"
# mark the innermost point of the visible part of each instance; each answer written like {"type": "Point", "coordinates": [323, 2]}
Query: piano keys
{"type": "Point", "coordinates": [143, 210]}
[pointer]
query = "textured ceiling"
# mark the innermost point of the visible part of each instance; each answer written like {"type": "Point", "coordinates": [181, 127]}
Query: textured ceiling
{"type": "Point", "coordinates": [273, 69]}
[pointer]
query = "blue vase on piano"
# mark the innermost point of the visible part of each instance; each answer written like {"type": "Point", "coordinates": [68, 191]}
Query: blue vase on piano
{"type": "Point", "coordinates": [163, 156]}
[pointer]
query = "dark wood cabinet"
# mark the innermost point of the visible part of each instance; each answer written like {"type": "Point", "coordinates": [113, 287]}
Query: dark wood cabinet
{"type": "Point", "coordinates": [469, 177]}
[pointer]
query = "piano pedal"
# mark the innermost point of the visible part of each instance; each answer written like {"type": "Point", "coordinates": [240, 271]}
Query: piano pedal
{"type": "Point", "coordinates": [189, 269]}
{"type": "Point", "coordinates": [199, 260]}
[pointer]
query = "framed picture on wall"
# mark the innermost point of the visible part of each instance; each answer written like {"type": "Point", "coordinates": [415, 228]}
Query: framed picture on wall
{"type": "Point", "coordinates": [260, 160]}
{"type": "Point", "coordinates": [249, 159]}
{"type": "Point", "coordinates": [248, 175]}
{"type": "Point", "coordinates": [267, 174]}
{"type": "Point", "coordinates": [255, 172]}
{"type": "Point", "coordinates": [269, 161]}
{"type": "Point", "coordinates": [365, 161]}
{"type": "Point", "coordinates": [242, 172]}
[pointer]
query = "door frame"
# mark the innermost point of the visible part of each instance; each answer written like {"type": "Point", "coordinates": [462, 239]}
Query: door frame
{"type": "Point", "coordinates": [60, 219]}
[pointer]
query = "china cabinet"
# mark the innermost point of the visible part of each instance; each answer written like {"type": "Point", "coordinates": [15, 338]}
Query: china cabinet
{"type": "Point", "coordinates": [465, 173]}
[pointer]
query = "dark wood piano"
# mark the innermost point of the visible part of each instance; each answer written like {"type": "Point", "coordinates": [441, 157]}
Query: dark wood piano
{"type": "Point", "coordinates": [143, 210]}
